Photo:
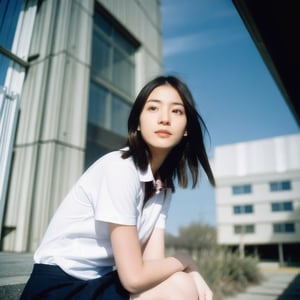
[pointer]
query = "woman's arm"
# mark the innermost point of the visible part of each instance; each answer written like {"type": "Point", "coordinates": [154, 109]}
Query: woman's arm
{"type": "Point", "coordinates": [154, 248]}
{"type": "Point", "coordinates": [138, 273]}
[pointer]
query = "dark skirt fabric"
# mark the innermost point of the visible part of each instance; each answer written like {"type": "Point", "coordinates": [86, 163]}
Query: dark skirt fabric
{"type": "Point", "coordinates": [51, 282]}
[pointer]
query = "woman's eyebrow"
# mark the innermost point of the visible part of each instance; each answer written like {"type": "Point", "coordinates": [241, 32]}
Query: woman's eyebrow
{"type": "Point", "coordinates": [159, 101]}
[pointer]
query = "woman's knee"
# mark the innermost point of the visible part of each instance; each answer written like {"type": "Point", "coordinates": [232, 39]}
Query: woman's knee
{"type": "Point", "coordinates": [183, 283]}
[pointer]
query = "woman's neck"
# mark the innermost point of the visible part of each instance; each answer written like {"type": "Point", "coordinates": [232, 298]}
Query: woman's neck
{"type": "Point", "coordinates": [157, 159]}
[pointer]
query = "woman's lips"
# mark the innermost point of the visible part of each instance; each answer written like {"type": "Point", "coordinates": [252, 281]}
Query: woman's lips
{"type": "Point", "coordinates": [163, 133]}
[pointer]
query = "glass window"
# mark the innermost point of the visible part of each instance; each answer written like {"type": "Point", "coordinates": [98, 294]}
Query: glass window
{"type": "Point", "coordinates": [4, 63]}
{"type": "Point", "coordinates": [237, 209]}
{"type": "Point", "coordinates": [287, 206]}
{"type": "Point", "coordinates": [101, 58]}
{"type": "Point", "coordinates": [112, 56]}
{"type": "Point", "coordinates": [111, 87]}
{"type": "Point", "coordinates": [122, 71]}
{"type": "Point", "coordinates": [95, 152]}
{"type": "Point", "coordinates": [283, 227]}
{"type": "Point", "coordinates": [101, 24]}
{"type": "Point", "coordinates": [248, 209]}
{"type": "Point", "coordinates": [237, 229]}
{"type": "Point", "coordinates": [98, 106]}
{"type": "Point", "coordinates": [242, 209]}
{"type": "Point", "coordinates": [280, 186]}
{"type": "Point", "coordinates": [9, 14]}
{"type": "Point", "coordinates": [248, 228]}
{"type": "Point", "coordinates": [241, 189]}
{"type": "Point", "coordinates": [120, 113]}
{"type": "Point", "coordinates": [282, 206]}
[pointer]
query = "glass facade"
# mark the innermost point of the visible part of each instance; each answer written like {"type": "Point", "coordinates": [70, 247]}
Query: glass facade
{"type": "Point", "coordinates": [241, 229]}
{"type": "Point", "coordinates": [241, 189]}
{"type": "Point", "coordinates": [282, 206]}
{"type": "Point", "coordinates": [280, 186]}
{"type": "Point", "coordinates": [283, 227]}
{"type": "Point", "coordinates": [9, 16]}
{"type": "Point", "coordinates": [111, 87]}
{"type": "Point", "coordinates": [242, 209]}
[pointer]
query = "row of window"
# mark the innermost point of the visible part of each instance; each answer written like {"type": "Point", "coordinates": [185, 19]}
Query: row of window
{"type": "Point", "coordinates": [275, 206]}
{"type": "Point", "coordinates": [277, 228]}
{"type": "Point", "coordinates": [274, 186]}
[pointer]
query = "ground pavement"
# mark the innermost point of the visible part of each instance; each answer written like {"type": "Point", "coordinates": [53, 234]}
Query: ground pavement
{"type": "Point", "coordinates": [278, 284]}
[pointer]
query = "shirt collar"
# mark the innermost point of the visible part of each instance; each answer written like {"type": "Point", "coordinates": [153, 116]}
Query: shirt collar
{"type": "Point", "coordinates": [146, 175]}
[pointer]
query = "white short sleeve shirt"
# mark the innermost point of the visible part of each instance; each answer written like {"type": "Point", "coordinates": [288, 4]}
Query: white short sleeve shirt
{"type": "Point", "coordinates": [110, 191]}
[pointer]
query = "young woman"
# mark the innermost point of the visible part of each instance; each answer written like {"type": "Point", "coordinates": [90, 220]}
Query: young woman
{"type": "Point", "coordinates": [106, 240]}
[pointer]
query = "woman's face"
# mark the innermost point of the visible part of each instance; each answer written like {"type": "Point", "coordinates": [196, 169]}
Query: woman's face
{"type": "Point", "coordinates": [163, 120]}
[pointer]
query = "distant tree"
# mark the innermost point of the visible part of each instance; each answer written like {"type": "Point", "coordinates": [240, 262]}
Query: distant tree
{"type": "Point", "coordinates": [194, 236]}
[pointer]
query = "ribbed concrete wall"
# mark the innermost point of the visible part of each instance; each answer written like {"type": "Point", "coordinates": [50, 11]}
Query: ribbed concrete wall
{"type": "Point", "coordinates": [51, 136]}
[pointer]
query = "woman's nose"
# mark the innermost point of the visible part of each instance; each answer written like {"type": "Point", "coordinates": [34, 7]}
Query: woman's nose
{"type": "Point", "coordinates": [164, 118]}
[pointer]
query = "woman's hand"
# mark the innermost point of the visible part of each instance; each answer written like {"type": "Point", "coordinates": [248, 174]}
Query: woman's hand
{"type": "Point", "coordinates": [203, 289]}
{"type": "Point", "coordinates": [190, 267]}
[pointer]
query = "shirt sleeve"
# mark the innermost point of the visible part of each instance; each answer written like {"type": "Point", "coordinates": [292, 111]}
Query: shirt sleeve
{"type": "Point", "coordinates": [117, 194]}
{"type": "Point", "coordinates": [161, 221]}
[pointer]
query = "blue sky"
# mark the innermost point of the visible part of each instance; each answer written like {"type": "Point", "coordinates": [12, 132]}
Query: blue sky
{"type": "Point", "coordinates": [206, 44]}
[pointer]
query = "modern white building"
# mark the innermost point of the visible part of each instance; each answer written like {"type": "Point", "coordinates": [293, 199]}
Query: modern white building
{"type": "Point", "coordinates": [69, 72]}
{"type": "Point", "coordinates": [258, 197]}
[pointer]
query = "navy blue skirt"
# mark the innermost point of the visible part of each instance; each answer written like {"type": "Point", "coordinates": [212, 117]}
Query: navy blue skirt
{"type": "Point", "coordinates": [51, 282]}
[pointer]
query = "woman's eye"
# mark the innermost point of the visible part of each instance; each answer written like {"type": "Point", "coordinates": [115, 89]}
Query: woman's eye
{"type": "Point", "coordinates": [178, 111]}
{"type": "Point", "coordinates": [152, 108]}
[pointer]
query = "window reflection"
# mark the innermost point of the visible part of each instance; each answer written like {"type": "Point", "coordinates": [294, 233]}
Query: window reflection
{"type": "Point", "coordinates": [111, 88]}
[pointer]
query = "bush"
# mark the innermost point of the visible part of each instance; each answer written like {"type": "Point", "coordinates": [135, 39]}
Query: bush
{"type": "Point", "coordinates": [227, 274]}
{"type": "Point", "coordinates": [225, 271]}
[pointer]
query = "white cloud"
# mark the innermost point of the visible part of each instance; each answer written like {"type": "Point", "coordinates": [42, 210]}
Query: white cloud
{"type": "Point", "coordinates": [185, 43]}
{"type": "Point", "coordinates": [197, 41]}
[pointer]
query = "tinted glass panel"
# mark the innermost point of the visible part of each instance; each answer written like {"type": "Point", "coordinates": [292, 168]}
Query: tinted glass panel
{"type": "Point", "coordinates": [101, 58]}
{"type": "Point", "coordinates": [123, 73]}
{"type": "Point", "coordinates": [280, 186]}
{"type": "Point", "coordinates": [9, 14]}
{"type": "Point", "coordinates": [289, 227]}
{"type": "Point", "coordinates": [94, 152]}
{"type": "Point", "coordinates": [248, 209]}
{"type": "Point", "coordinates": [237, 229]}
{"type": "Point", "coordinates": [236, 209]}
{"type": "Point", "coordinates": [284, 228]}
{"type": "Point", "coordinates": [287, 206]}
{"type": "Point", "coordinates": [98, 106]}
{"type": "Point", "coordinates": [241, 189]}
{"type": "Point", "coordinates": [102, 24]}
{"type": "Point", "coordinates": [123, 43]}
{"type": "Point", "coordinates": [249, 228]}
{"type": "Point", "coordinates": [120, 113]}
{"type": "Point", "coordinates": [275, 207]}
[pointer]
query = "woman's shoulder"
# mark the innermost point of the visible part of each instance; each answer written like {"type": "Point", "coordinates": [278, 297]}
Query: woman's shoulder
{"type": "Point", "coordinates": [113, 160]}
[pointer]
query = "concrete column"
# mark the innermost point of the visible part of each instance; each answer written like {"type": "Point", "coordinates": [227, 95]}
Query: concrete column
{"type": "Point", "coordinates": [280, 254]}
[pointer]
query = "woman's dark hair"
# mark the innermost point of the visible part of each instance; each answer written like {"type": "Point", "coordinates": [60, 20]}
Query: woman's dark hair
{"type": "Point", "coordinates": [189, 153]}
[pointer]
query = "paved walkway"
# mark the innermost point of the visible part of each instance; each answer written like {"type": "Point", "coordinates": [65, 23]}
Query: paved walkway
{"type": "Point", "coordinates": [279, 283]}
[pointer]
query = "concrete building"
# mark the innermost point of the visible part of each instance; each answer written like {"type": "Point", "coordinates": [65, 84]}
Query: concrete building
{"type": "Point", "coordinates": [75, 67]}
{"type": "Point", "coordinates": [258, 197]}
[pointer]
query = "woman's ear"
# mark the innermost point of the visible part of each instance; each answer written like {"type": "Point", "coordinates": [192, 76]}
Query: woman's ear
{"type": "Point", "coordinates": [185, 133]}
{"type": "Point", "coordinates": [138, 128]}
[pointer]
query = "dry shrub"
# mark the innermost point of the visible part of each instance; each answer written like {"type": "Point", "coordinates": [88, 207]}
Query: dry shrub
{"type": "Point", "coordinates": [227, 273]}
